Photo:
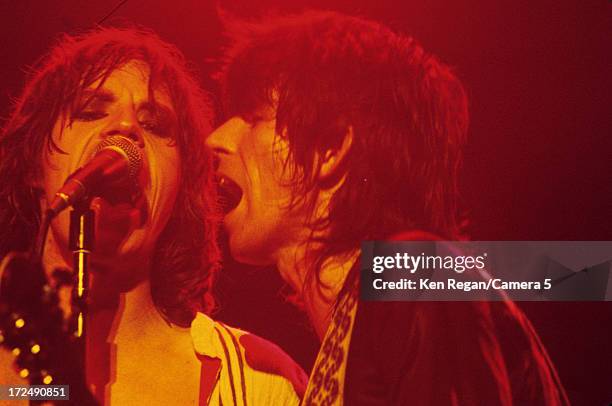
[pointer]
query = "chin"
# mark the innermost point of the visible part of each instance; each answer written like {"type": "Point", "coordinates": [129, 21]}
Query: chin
{"type": "Point", "coordinates": [136, 249]}
{"type": "Point", "coordinates": [249, 253]}
{"type": "Point", "coordinates": [115, 274]}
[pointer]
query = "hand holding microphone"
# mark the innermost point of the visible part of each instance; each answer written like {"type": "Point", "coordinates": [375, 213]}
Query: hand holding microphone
{"type": "Point", "coordinates": [116, 159]}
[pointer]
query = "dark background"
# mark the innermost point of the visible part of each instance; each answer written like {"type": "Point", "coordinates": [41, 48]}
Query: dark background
{"type": "Point", "coordinates": [538, 165]}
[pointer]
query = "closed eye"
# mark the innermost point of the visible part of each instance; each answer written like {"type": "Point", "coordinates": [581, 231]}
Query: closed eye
{"type": "Point", "coordinates": [157, 119]}
{"type": "Point", "coordinates": [93, 105]}
{"type": "Point", "coordinates": [89, 115]}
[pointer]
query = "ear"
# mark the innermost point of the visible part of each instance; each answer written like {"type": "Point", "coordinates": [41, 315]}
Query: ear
{"type": "Point", "coordinates": [332, 162]}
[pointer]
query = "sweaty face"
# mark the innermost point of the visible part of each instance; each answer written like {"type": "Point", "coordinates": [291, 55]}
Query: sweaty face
{"type": "Point", "coordinates": [255, 191]}
{"type": "Point", "coordinates": [120, 106]}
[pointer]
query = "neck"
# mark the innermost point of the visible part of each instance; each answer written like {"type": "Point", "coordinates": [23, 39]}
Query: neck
{"type": "Point", "coordinates": [294, 264]}
{"type": "Point", "coordinates": [138, 317]}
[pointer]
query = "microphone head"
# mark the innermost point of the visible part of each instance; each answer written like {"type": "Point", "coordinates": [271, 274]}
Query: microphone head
{"type": "Point", "coordinates": [104, 175]}
{"type": "Point", "coordinates": [128, 149]}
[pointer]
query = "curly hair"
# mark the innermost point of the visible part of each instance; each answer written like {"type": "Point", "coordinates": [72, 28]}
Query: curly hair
{"type": "Point", "coordinates": [186, 256]}
{"type": "Point", "coordinates": [326, 74]}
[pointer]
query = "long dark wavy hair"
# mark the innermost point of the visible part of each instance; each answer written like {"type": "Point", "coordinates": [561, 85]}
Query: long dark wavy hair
{"type": "Point", "coordinates": [186, 256]}
{"type": "Point", "coordinates": [326, 74]}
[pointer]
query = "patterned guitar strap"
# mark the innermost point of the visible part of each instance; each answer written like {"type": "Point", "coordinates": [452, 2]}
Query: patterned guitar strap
{"type": "Point", "coordinates": [326, 383]}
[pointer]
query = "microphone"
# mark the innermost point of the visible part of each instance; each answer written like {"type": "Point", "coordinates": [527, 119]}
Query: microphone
{"type": "Point", "coordinates": [116, 159]}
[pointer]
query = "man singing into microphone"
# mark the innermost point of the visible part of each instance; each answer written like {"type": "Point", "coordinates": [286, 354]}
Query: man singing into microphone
{"type": "Point", "coordinates": [155, 254]}
{"type": "Point", "coordinates": [340, 131]}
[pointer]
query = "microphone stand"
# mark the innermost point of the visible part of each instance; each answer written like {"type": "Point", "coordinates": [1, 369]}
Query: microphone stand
{"type": "Point", "coordinates": [81, 243]}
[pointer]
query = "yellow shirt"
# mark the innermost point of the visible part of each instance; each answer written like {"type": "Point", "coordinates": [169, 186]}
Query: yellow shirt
{"type": "Point", "coordinates": [252, 371]}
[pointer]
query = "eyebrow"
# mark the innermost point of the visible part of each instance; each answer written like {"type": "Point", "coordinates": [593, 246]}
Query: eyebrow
{"type": "Point", "coordinates": [98, 95]}
{"type": "Point", "coordinates": [155, 106]}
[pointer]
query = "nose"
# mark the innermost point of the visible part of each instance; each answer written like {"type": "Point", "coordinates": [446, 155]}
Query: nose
{"type": "Point", "coordinates": [226, 138]}
{"type": "Point", "coordinates": [127, 127]}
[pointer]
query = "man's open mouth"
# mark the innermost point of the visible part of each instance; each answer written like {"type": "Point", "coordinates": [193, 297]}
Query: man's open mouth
{"type": "Point", "coordinates": [229, 193]}
{"type": "Point", "coordinates": [122, 199]}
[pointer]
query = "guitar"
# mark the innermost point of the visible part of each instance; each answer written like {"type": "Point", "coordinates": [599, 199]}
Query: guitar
{"type": "Point", "coordinates": [32, 328]}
